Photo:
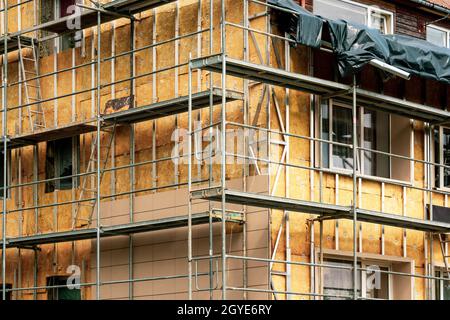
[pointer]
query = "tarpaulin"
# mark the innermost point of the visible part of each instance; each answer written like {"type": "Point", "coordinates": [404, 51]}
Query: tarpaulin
{"type": "Point", "coordinates": [356, 45]}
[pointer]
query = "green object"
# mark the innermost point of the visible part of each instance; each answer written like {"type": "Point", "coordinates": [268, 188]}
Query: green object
{"type": "Point", "coordinates": [355, 45]}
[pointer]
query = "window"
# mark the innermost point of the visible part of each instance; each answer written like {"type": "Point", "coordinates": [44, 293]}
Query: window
{"type": "Point", "coordinates": [55, 9]}
{"type": "Point", "coordinates": [59, 163]}
{"type": "Point", "coordinates": [61, 293]}
{"type": "Point", "coordinates": [378, 132]}
{"type": "Point", "coordinates": [438, 36]}
{"type": "Point", "coordinates": [442, 157]}
{"type": "Point", "coordinates": [8, 293]}
{"type": "Point", "coordinates": [338, 282]}
{"type": "Point", "coordinates": [70, 40]}
{"type": "Point", "coordinates": [370, 16]}
{"type": "Point", "coordinates": [442, 287]}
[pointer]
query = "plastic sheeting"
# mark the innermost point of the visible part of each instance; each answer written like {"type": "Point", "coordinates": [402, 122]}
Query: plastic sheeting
{"type": "Point", "coordinates": [356, 45]}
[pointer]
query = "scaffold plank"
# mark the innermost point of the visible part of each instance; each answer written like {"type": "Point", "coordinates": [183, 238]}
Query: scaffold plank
{"type": "Point", "coordinates": [49, 134]}
{"type": "Point", "coordinates": [321, 209]}
{"type": "Point", "coordinates": [172, 106]}
{"type": "Point", "coordinates": [88, 18]}
{"type": "Point", "coordinates": [301, 82]}
{"type": "Point", "coordinates": [108, 231]}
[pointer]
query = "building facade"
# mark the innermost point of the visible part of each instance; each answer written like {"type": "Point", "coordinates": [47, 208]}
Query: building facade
{"type": "Point", "coordinates": [148, 146]}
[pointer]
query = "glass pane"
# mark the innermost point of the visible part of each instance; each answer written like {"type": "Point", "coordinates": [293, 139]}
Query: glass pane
{"type": "Point", "coordinates": [69, 294]}
{"type": "Point", "coordinates": [380, 22]}
{"type": "Point", "coordinates": [66, 7]}
{"type": "Point", "coordinates": [376, 137]}
{"type": "Point", "coordinates": [377, 283]}
{"type": "Point", "coordinates": [437, 183]}
{"type": "Point", "coordinates": [446, 290]}
{"type": "Point", "coordinates": [325, 133]}
{"type": "Point", "coordinates": [342, 133]}
{"type": "Point", "coordinates": [64, 149]}
{"type": "Point", "coordinates": [335, 9]}
{"type": "Point", "coordinates": [446, 155]}
{"type": "Point", "coordinates": [2, 178]}
{"type": "Point", "coordinates": [436, 36]}
{"type": "Point", "coordinates": [338, 283]}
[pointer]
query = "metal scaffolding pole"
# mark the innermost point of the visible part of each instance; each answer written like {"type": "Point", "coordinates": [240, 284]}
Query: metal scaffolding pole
{"type": "Point", "coordinates": [5, 146]}
{"type": "Point", "coordinates": [190, 179]}
{"type": "Point", "coordinates": [210, 166]}
{"type": "Point", "coordinates": [354, 205]}
{"type": "Point", "coordinates": [98, 183]}
{"type": "Point", "coordinates": [223, 150]}
{"type": "Point", "coordinates": [225, 66]}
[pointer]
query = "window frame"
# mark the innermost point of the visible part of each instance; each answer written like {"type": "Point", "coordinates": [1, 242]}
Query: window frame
{"type": "Point", "coordinates": [9, 295]}
{"type": "Point", "coordinates": [360, 158]}
{"type": "Point", "coordinates": [55, 185]}
{"type": "Point", "coordinates": [440, 161]}
{"type": "Point", "coordinates": [390, 15]}
{"type": "Point", "coordinates": [58, 41]}
{"type": "Point", "coordinates": [53, 293]}
{"type": "Point", "coordinates": [363, 264]}
{"type": "Point", "coordinates": [447, 31]}
{"type": "Point", "coordinates": [371, 10]}
{"type": "Point", "coordinates": [8, 174]}
{"type": "Point", "coordinates": [439, 272]}
{"type": "Point", "coordinates": [331, 104]}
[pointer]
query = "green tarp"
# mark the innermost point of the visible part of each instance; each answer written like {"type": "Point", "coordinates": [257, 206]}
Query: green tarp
{"type": "Point", "coordinates": [356, 45]}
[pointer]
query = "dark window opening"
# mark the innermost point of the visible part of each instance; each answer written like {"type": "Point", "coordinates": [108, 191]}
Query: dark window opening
{"type": "Point", "coordinates": [72, 40]}
{"type": "Point", "coordinates": [63, 291]}
{"type": "Point", "coordinates": [59, 163]}
{"type": "Point", "coordinates": [52, 10]}
{"type": "Point", "coordinates": [379, 134]}
{"type": "Point", "coordinates": [442, 287]}
{"type": "Point", "coordinates": [8, 293]}
{"type": "Point", "coordinates": [2, 178]}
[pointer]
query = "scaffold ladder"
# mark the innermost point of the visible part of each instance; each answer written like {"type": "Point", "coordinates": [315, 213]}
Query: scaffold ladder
{"type": "Point", "coordinates": [88, 193]}
{"type": "Point", "coordinates": [29, 69]}
{"type": "Point", "coordinates": [443, 241]}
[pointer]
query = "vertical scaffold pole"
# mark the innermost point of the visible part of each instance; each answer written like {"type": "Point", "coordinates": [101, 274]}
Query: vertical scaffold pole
{"type": "Point", "coordinates": [210, 166]}
{"type": "Point", "coordinates": [223, 151]}
{"type": "Point", "coordinates": [5, 144]}
{"type": "Point", "coordinates": [354, 206]}
{"type": "Point", "coordinates": [98, 198]}
{"type": "Point", "coordinates": [190, 178]}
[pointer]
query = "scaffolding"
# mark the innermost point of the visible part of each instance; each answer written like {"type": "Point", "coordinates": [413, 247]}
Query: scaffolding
{"type": "Point", "coordinates": [215, 191]}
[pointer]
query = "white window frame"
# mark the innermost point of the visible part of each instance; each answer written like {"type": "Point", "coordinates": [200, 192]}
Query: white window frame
{"type": "Point", "coordinates": [360, 159]}
{"type": "Point", "coordinates": [439, 161]}
{"type": "Point", "coordinates": [440, 272]}
{"type": "Point", "coordinates": [363, 274]}
{"type": "Point", "coordinates": [447, 31]}
{"type": "Point", "coordinates": [389, 27]}
{"type": "Point", "coordinates": [371, 10]}
{"type": "Point", "coordinates": [364, 265]}
{"type": "Point", "coordinates": [356, 161]}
